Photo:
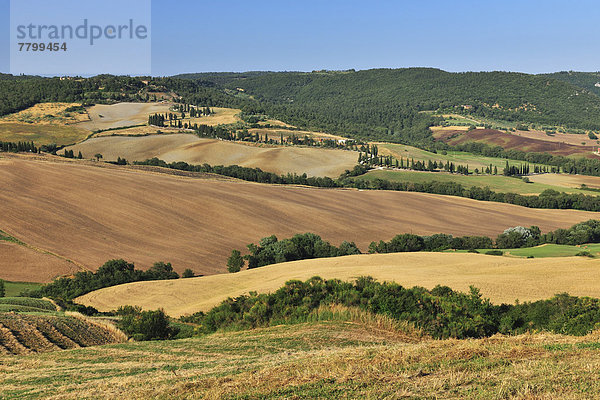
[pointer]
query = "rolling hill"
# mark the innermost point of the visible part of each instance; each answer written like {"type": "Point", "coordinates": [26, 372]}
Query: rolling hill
{"type": "Point", "coordinates": [589, 81]}
{"type": "Point", "coordinates": [502, 279]}
{"type": "Point", "coordinates": [386, 103]}
{"type": "Point", "coordinates": [87, 213]}
{"type": "Point", "coordinates": [194, 150]}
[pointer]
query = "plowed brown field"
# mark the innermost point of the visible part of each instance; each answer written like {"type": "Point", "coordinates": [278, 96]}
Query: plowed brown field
{"type": "Point", "coordinates": [90, 215]}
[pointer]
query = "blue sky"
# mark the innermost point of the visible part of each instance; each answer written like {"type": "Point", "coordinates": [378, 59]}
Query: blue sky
{"type": "Point", "coordinates": [241, 35]}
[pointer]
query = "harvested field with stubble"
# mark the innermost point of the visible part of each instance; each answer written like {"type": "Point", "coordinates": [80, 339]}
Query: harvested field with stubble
{"type": "Point", "coordinates": [119, 115]}
{"type": "Point", "coordinates": [194, 150]}
{"type": "Point", "coordinates": [567, 180]}
{"type": "Point", "coordinates": [502, 279]}
{"type": "Point", "coordinates": [89, 214]}
{"type": "Point", "coordinates": [327, 360]}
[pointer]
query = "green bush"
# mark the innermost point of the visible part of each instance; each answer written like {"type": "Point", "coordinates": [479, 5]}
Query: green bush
{"type": "Point", "coordinates": [494, 253]}
{"type": "Point", "coordinates": [146, 325]}
{"type": "Point", "coordinates": [440, 312]}
{"type": "Point", "coordinates": [113, 272]}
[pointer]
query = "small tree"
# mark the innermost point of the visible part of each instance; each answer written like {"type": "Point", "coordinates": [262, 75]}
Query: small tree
{"type": "Point", "coordinates": [98, 156]}
{"type": "Point", "coordinates": [188, 273]}
{"type": "Point", "coordinates": [2, 289]}
{"type": "Point", "coordinates": [145, 325]}
{"type": "Point", "coordinates": [235, 262]}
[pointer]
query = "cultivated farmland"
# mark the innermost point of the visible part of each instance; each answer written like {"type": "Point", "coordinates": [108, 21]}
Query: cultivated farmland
{"type": "Point", "coordinates": [89, 215]}
{"type": "Point", "coordinates": [119, 115]}
{"type": "Point", "coordinates": [194, 150]}
{"type": "Point", "coordinates": [37, 333]}
{"type": "Point", "coordinates": [514, 142]}
{"type": "Point", "coordinates": [502, 279]}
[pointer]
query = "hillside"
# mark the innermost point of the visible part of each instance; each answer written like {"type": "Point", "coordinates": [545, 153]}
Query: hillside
{"type": "Point", "coordinates": [329, 359]}
{"type": "Point", "coordinates": [385, 103]}
{"type": "Point", "coordinates": [194, 150]}
{"type": "Point", "coordinates": [584, 80]}
{"type": "Point", "coordinates": [381, 104]}
{"type": "Point", "coordinates": [509, 141]}
{"type": "Point", "coordinates": [502, 279]}
{"type": "Point", "coordinates": [89, 212]}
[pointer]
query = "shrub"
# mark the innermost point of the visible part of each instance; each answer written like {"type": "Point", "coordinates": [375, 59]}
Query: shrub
{"type": "Point", "coordinates": [188, 273]}
{"type": "Point", "coordinates": [235, 262]}
{"type": "Point", "coordinates": [2, 289]}
{"type": "Point", "coordinates": [145, 325]}
{"type": "Point", "coordinates": [494, 253]}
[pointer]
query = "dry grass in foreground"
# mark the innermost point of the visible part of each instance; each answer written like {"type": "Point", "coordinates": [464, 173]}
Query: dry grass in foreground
{"type": "Point", "coordinates": [316, 360]}
{"type": "Point", "coordinates": [502, 279]}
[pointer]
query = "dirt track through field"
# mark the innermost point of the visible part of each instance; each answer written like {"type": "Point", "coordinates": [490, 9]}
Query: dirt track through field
{"type": "Point", "coordinates": [90, 215]}
{"type": "Point", "coordinates": [502, 279]}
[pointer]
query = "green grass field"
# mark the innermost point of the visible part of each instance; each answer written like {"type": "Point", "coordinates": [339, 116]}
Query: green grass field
{"type": "Point", "coordinates": [545, 250]}
{"type": "Point", "coordinates": [554, 250]}
{"type": "Point", "coordinates": [497, 183]}
{"type": "Point", "coordinates": [14, 289]}
{"type": "Point", "coordinates": [25, 304]}
{"type": "Point", "coordinates": [41, 134]}
{"type": "Point", "coordinates": [457, 157]}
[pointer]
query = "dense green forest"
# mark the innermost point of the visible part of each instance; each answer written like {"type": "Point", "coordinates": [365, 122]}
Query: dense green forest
{"type": "Point", "coordinates": [584, 80]}
{"type": "Point", "coordinates": [19, 93]}
{"type": "Point", "coordinates": [440, 312]}
{"type": "Point", "coordinates": [387, 103]}
{"type": "Point", "coordinates": [384, 104]}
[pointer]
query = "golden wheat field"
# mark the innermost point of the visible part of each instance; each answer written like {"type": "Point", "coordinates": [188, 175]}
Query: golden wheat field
{"type": "Point", "coordinates": [502, 279]}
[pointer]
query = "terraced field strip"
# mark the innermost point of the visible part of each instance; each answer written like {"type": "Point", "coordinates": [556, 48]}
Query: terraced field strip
{"type": "Point", "coordinates": [37, 333]}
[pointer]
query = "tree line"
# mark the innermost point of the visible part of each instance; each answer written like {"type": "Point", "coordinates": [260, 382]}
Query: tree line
{"type": "Point", "coordinates": [567, 165]}
{"type": "Point", "coordinates": [549, 199]}
{"type": "Point", "coordinates": [440, 313]}
{"type": "Point", "coordinates": [113, 272]}
{"type": "Point", "coordinates": [270, 250]}
{"type": "Point", "coordinates": [18, 147]}
{"type": "Point", "coordinates": [512, 238]}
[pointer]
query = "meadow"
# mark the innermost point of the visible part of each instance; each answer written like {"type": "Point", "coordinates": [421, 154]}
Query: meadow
{"type": "Point", "coordinates": [15, 288]}
{"type": "Point", "coordinates": [497, 183]}
{"type": "Point", "coordinates": [326, 359]}
{"type": "Point", "coordinates": [41, 134]}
